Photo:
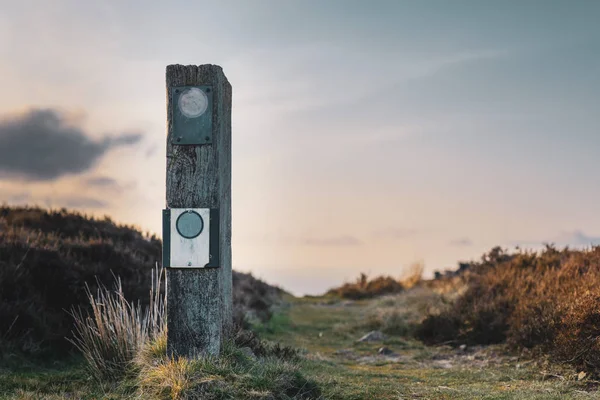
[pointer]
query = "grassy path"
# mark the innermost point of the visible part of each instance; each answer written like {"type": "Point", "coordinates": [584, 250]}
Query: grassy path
{"type": "Point", "coordinates": [350, 370]}
{"type": "Point", "coordinates": [345, 369]}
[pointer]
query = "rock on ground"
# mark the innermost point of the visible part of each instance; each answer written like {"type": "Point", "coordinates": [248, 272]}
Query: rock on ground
{"type": "Point", "coordinates": [373, 336]}
{"type": "Point", "coordinates": [385, 351]}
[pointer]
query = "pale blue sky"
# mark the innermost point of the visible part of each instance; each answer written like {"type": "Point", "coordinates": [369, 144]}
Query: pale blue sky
{"type": "Point", "coordinates": [367, 134]}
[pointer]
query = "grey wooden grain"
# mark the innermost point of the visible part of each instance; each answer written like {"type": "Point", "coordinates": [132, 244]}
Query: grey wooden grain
{"type": "Point", "coordinates": [199, 301]}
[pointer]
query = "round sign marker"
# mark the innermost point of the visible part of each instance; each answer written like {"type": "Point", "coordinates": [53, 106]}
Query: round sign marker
{"type": "Point", "coordinates": [189, 224]}
{"type": "Point", "coordinates": [193, 102]}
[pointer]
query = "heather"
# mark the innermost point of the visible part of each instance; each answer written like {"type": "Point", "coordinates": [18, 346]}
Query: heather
{"type": "Point", "coordinates": [49, 257]}
{"type": "Point", "coordinates": [547, 301]}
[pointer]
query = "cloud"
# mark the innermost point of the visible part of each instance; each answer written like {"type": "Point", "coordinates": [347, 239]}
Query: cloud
{"type": "Point", "coordinates": [284, 239]}
{"type": "Point", "coordinates": [577, 238]}
{"type": "Point", "coordinates": [51, 200]}
{"type": "Point", "coordinates": [152, 150]}
{"type": "Point", "coordinates": [565, 238]}
{"type": "Point", "coordinates": [101, 181]}
{"type": "Point", "coordinates": [439, 64]}
{"type": "Point", "coordinates": [72, 202]}
{"type": "Point", "coordinates": [17, 198]}
{"type": "Point", "coordinates": [41, 145]}
{"type": "Point", "coordinates": [461, 242]}
{"type": "Point", "coordinates": [333, 241]}
{"type": "Point", "coordinates": [395, 233]}
{"type": "Point", "coordinates": [82, 202]}
{"type": "Point", "coordinates": [106, 183]}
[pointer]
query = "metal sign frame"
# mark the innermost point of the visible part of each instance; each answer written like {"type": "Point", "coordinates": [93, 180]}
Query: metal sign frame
{"type": "Point", "coordinates": [201, 251]}
{"type": "Point", "coordinates": [191, 130]}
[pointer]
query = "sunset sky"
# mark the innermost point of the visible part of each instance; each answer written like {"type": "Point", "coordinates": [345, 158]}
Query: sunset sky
{"type": "Point", "coordinates": [367, 135]}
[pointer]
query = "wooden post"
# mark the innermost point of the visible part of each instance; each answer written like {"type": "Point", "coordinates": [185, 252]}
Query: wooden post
{"type": "Point", "coordinates": [199, 301]}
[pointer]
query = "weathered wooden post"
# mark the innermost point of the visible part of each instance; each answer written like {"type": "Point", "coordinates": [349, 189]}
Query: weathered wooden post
{"type": "Point", "coordinates": [197, 221]}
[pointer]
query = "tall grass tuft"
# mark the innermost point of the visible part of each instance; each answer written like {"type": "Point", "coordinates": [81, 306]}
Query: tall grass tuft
{"type": "Point", "coordinates": [413, 275]}
{"type": "Point", "coordinates": [113, 333]}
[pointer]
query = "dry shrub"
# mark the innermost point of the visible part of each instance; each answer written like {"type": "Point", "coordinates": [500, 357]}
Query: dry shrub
{"type": "Point", "coordinates": [262, 348]}
{"type": "Point", "coordinates": [364, 288]}
{"type": "Point", "coordinates": [413, 276]}
{"type": "Point", "coordinates": [253, 299]}
{"type": "Point", "coordinates": [565, 319]}
{"type": "Point", "coordinates": [549, 301]}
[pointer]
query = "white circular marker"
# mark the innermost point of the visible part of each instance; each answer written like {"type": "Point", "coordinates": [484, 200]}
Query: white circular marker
{"type": "Point", "coordinates": [193, 103]}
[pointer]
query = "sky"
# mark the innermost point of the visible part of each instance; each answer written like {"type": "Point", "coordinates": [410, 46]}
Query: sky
{"type": "Point", "coordinates": [367, 135]}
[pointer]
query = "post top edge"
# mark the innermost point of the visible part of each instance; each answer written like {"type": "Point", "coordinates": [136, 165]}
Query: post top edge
{"type": "Point", "coordinates": [188, 74]}
{"type": "Point", "coordinates": [176, 66]}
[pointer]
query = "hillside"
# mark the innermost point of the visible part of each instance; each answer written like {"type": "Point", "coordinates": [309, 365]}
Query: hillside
{"type": "Point", "coordinates": [48, 256]}
{"type": "Point", "coordinates": [509, 326]}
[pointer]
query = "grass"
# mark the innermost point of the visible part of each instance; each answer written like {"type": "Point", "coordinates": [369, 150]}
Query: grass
{"type": "Point", "coordinates": [126, 346]}
{"type": "Point", "coordinates": [399, 315]}
{"type": "Point", "coordinates": [115, 332]}
{"type": "Point", "coordinates": [345, 369]}
{"type": "Point", "coordinates": [61, 381]}
{"type": "Point", "coordinates": [236, 374]}
{"type": "Point", "coordinates": [233, 375]}
{"type": "Point", "coordinates": [329, 365]}
{"type": "Point", "coordinates": [125, 356]}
